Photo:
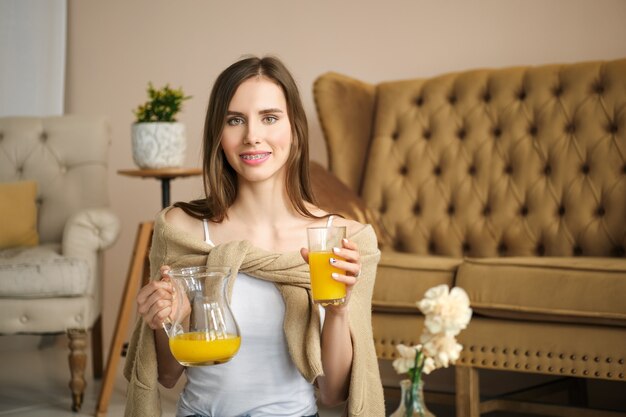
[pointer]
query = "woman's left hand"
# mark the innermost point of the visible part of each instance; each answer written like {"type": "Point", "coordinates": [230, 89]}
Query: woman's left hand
{"type": "Point", "coordinates": [348, 260]}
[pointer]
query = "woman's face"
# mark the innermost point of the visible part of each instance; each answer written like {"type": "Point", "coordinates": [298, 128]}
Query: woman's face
{"type": "Point", "coordinates": [257, 131]}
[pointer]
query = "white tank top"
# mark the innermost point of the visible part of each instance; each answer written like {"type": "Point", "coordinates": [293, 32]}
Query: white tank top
{"type": "Point", "coordinates": [261, 380]}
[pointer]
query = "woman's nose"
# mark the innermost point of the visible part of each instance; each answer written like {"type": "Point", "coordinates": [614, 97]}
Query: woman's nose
{"type": "Point", "coordinates": [253, 134]}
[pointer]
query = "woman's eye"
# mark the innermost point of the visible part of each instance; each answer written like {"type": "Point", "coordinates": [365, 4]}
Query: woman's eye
{"type": "Point", "coordinates": [235, 121]}
{"type": "Point", "coordinates": [270, 120]}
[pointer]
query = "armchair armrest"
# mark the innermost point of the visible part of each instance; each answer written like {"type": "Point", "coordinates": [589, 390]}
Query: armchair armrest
{"type": "Point", "coordinates": [345, 107]}
{"type": "Point", "coordinates": [88, 232]}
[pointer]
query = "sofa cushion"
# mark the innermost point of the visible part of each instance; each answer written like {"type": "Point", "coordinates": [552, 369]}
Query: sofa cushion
{"type": "Point", "coordinates": [27, 272]}
{"type": "Point", "coordinates": [402, 279]}
{"type": "Point", "coordinates": [581, 290]}
{"type": "Point", "coordinates": [18, 214]}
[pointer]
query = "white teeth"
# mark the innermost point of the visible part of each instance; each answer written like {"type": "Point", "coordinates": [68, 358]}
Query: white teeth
{"type": "Point", "coordinates": [253, 157]}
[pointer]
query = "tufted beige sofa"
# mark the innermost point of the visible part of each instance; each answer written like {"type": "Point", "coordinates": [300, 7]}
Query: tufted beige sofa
{"type": "Point", "coordinates": [56, 286]}
{"type": "Point", "coordinates": [510, 183]}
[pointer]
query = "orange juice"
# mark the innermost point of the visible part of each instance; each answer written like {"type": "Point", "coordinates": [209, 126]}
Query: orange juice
{"type": "Point", "coordinates": [197, 349]}
{"type": "Point", "coordinates": [325, 289]}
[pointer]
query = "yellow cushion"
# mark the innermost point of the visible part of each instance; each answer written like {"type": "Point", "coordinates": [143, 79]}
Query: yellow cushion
{"type": "Point", "coordinates": [18, 214]}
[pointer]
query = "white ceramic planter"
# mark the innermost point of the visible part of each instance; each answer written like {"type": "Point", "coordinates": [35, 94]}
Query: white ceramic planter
{"type": "Point", "coordinates": [159, 144]}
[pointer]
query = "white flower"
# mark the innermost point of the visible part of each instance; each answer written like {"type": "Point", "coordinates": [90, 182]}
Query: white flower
{"type": "Point", "coordinates": [445, 311]}
{"type": "Point", "coordinates": [406, 360]}
{"type": "Point", "coordinates": [429, 365]}
{"type": "Point", "coordinates": [442, 348]}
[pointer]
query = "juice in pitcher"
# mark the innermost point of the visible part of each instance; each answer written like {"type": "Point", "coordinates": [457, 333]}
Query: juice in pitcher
{"type": "Point", "coordinates": [199, 349]}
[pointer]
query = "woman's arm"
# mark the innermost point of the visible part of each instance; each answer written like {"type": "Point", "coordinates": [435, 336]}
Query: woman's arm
{"type": "Point", "coordinates": [336, 340]}
{"type": "Point", "coordinates": [155, 304]}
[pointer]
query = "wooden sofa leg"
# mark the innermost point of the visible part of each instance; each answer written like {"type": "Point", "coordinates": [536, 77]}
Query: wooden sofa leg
{"type": "Point", "coordinates": [78, 361]}
{"type": "Point", "coordinates": [96, 348]}
{"type": "Point", "coordinates": [467, 392]}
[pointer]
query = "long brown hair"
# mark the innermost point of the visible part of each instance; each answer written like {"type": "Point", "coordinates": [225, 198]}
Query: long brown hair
{"type": "Point", "coordinates": [220, 179]}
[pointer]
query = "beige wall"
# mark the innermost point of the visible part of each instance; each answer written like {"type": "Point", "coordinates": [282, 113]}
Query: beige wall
{"type": "Point", "coordinates": [116, 47]}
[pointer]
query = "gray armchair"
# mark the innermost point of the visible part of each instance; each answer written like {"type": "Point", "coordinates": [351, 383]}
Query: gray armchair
{"type": "Point", "coordinates": [55, 287]}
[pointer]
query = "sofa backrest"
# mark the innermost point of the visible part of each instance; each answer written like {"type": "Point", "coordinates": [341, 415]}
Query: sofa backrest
{"type": "Point", "coordinates": [519, 161]}
{"type": "Point", "coordinates": [66, 156]}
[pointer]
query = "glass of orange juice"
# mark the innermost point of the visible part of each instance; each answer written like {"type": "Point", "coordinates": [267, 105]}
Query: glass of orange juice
{"type": "Point", "coordinates": [322, 240]}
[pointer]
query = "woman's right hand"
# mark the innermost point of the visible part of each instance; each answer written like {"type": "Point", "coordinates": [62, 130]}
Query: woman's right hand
{"type": "Point", "coordinates": [156, 300]}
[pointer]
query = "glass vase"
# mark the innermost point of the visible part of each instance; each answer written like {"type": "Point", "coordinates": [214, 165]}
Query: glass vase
{"type": "Point", "coordinates": [412, 400]}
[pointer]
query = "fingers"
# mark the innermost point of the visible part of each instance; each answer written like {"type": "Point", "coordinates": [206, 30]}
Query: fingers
{"type": "Point", "coordinates": [304, 252]}
{"type": "Point", "coordinates": [155, 302]}
{"type": "Point", "coordinates": [350, 258]}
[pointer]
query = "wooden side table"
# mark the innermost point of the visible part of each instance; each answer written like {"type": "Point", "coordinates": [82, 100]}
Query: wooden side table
{"type": "Point", "coordinates": [138, 272]}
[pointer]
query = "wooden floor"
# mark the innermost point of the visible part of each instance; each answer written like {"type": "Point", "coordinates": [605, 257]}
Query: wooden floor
{"type": "Point", "coordinates": [34, 380]}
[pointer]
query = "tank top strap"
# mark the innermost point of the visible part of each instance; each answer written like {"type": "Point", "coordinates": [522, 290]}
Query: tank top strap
{"type": "Point", "coordinates": [329, 221]}
{"type": "Point", "coordinates": [205, 225]}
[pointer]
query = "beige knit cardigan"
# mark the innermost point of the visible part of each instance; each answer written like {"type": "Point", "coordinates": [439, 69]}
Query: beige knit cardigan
{"type": "Point", "coordinates": [290, 274]}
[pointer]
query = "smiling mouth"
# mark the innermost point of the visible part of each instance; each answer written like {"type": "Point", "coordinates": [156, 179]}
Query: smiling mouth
{"type": "Point", "coordinates": [254, 157]}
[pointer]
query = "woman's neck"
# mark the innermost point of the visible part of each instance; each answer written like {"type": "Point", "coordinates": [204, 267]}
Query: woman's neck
{"type": "Point", "coordinates": [262, 203]}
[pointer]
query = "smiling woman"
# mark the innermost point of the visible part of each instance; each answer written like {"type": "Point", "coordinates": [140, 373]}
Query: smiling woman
{"type": "Point", "coordinates": [253, 219]}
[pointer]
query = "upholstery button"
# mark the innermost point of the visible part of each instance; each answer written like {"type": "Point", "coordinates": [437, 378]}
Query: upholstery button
{"type": "Point", "coordinates": [452, 99]}
{"type": "Point", "coordinates": [533, 130]}
{"type": "Point", "coordinates": [521, 95]}
{"type": "Point", "coordinates": [427, 134]}
{"type": "Point", "coordinates": [584, 169]}
{"type": "Point", "coordinates": [538, 354]}
{"type": "Point", "coordinates": [539, 367]}
{"type": "Point", "coordinates": [505, 351]}
{"type": "Point", "coordinates": [486, 211]}
{"type": "Point", "coordinates": [557, 90]}
{"type": "Point", "coordinates": [598, 88]}
{"type": "Point", "coordinates": [465, 247]}
{"type": "Point", "coordinates": [502, 250]}
{"type": "Point", "coordinates": [497, 132]}
{"type": "Point", "coordinates": [624, 169]}
{"type": "Point", "coordinates": [437, 170]}
{"type": "Point", "coordinates": [43, 137]}
{"type": "Point", "coordinates": [39, 201]}
{"type": "Point", "coordinates": [432, 248]}
{"type": "Point", "coordinates": [527, 353]}
{"type": "Point", "coordinates": [419, 101]}
{"type": "Point", "coordinates": [471, 348]}
{"type": "Point", "coordinates": [541, 249]}
{"type": "Point", "coordinates": [495, 363]}
{"type": "Point", "coordinates": [417, 209]}
{"type": "Point", "coordinates": [20, 170]}
{"type": "Point", "coordinates": [621, 376]}
{"type": "Point", "coordinates": [471, 170]}
{"type": "Point", "coordinates": [600, 211]}
{"type": "Point", "coordinates": [494, 349]}
{"type": "Point", "coordinates": [547, 170]}
{"type": "Point", "coordinates": [612, 127]}
{"type": "Point", "coordinates": [461, 134]}
{"type": "Point", "coordinates": [523, 211]}
{"type": "Point", "coordinates": [23, 319]}
{"type": "Point", "coordinates": [1, 135]}
{"type": "Point", "coordinates": [487, 97]}
{"type": "Point", "coordinates": [395, 135]}
{"type": "Point", "coordinates": [570, 128]}
{"type": "Point", "coordinates": [451, 210]}
{"type": "Point", "coordinates": [578, 251]}
{"type": "Point", "coordinates": [404, 170]}
{"type": "Point", "coordinates": [527, 366]}
{"type": "Point", "coordinates": [619, 252]}
{"type": "Point", "coordinates": [508, 169]}
{"type": "Point", "coordinates": [561, 356]}
{"type": "Point", "coordinates": [561, 370]}
{"type": "Point", "coordinates": [561, 211]}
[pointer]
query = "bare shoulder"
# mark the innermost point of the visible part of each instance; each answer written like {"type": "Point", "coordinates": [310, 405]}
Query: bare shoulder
{"type": "Point", "coordinates": [181, 220]}
{"type": "Point", "coordinates": [352, 226]}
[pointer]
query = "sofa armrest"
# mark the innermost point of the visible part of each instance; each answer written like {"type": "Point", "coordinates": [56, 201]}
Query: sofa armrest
{"type": "Point", "coordinates": [345, 108]}
{"type": "Point", "coordinates": [88, 232]}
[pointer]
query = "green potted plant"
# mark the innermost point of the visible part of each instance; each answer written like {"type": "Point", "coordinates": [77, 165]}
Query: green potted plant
{"type": "Point", "coordinates": [158, 139]}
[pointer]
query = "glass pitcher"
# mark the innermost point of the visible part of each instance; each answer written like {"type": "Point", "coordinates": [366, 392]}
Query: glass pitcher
{"type": "Point", "coordinates": [203, 331]}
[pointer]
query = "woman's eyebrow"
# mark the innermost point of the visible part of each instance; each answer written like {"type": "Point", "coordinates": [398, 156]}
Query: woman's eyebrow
{"type": "Point", "coordinates": [264, 111]}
